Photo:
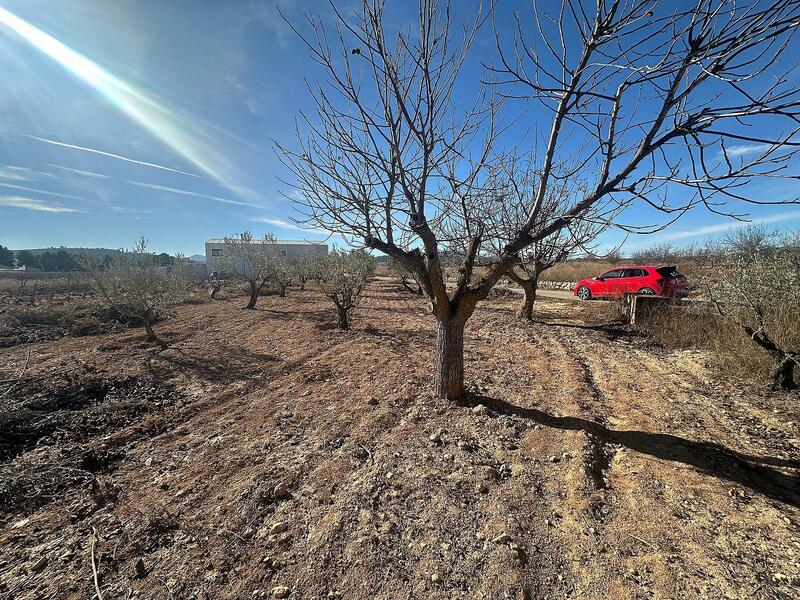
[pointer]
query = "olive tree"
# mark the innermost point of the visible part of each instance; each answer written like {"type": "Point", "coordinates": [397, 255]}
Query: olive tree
{"type": "Point", "coordinates": [303, 267]}
{"type": "Point", "coordinates": [636, 98]}
{"type": "Point", "coordinates": [254, 260]}
{"type": "Point", "coordinates": [136, 286]}
{"type": "Point", "coordinates": [343, 276]}
{"type": "Point", "coordinates": [282, 274]}
{"type": "Point", "coordinates": [760, 292]}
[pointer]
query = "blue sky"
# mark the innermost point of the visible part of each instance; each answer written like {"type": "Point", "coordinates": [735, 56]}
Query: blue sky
{"type": "Point", "coordinates": [154, 118]}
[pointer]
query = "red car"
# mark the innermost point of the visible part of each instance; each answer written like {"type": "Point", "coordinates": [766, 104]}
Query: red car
{"type": "Point", "coordinates": [663, 281]}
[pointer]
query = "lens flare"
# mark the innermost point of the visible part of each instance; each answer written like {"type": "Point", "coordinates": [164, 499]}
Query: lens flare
{"type": "Point", "coordinates": [189, 137]}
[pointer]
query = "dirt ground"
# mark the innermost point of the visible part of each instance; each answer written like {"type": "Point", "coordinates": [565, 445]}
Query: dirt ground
{"type": "Point", "coordinates": [265, 454]}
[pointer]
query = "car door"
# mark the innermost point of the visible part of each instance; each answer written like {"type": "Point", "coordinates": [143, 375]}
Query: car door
{"type": "Point", "coordinates": [632, 281]}
{"type": "Point", "coordinates": [608, 283]}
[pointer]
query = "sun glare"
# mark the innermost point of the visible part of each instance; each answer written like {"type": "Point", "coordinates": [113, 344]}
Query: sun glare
{"type": "Point", "coordinates": [192, 139]}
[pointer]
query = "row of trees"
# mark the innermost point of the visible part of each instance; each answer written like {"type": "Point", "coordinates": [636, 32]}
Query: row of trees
{"type": "Point", "coordinates": [138, 286]}
{"type": "Point", "coordinates": [637, 104]}
{"type": "Point", "coordinates": [61, 261]}
{"type": "Point", "coordinates": [341, 275]}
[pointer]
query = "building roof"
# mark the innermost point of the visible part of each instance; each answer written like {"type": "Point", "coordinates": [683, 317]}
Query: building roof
{"type": "Point", "coordinates": [278, 242]}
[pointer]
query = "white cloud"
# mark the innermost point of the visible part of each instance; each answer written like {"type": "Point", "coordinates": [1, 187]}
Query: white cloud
{"type": "Point", "coordinates": [79, 172]}
{"type": "Point", "coordinates": [31, 204]}
{"type": "Point", "coordinates": [286, 225]}
{"type": "Point", "coordinates": [38, 191]}
{"type": "Point", "coordinates": [791, 215]}
{"type": "Point", "coordinates": [172, 190]}
{"type": "Point", "coordinates": [109, 154]}
{"type": "Point", "coordinates": [14, 173]}
{"type": "Point", "coordinates": [744, 149]}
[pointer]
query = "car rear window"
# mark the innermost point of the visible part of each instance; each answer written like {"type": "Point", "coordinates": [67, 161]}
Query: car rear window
{"type": "Point", "coordinates": [668, 271]}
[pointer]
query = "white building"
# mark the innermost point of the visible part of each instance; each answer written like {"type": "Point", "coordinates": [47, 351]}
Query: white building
{"type": "Point", "coordinates": [215, 250]}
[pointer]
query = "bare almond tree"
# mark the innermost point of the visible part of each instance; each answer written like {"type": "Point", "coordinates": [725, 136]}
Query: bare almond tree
{"type": "Point", "coordinates": [639, 97]}
{"type": "Point", "coordinates": [513, 182]}
{"type": "Point", "coordinates": [255, 261]}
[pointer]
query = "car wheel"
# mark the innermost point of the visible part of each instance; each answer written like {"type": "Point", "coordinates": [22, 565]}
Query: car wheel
{"type": "Point", "coordinates": [647, 291]}
{"type": "Point", "coordinates": [584, 293]}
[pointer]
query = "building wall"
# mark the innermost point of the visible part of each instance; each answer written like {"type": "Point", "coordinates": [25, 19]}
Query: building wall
{"type": "Point", "coordinates": [215, 253]}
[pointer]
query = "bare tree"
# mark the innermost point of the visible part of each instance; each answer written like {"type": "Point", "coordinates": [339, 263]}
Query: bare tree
{"type": "Point", "coordinates": [750, 242]}
{"type": "Point", "coordinates": [760, 292]}
{"type": "Point", "coordinates": [135, 285]}
{"type": "Point", "coordinates": [344, 276]}
{"type": "Point", "coordinates": [513, 182]}
{"type": "Point", "coordinates": [639, 98]}
{"type": "Point", "coordinates": [255, 261]}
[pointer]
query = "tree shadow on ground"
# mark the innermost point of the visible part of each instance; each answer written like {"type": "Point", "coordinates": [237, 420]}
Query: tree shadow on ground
{"type": "Point", "coordinates": [754, 472]}
{"type": "Point", "coordinates": [229, 363]}
{"type": "Point", "coordinates": [615, 329]}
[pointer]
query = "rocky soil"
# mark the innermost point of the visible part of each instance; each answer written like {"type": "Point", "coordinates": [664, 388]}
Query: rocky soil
{"type": "Point", "coordinates": [265, 454]}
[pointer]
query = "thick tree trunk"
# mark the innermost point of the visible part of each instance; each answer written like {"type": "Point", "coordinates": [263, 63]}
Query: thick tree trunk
{"type": "Point", "coordinates": [253, 296]}
{"type": "Point", "coordinates": [783, 377]}
{"type": "Point", "coordinates": [344, 324]}
{"type": "Point", "coordinates": [450, 358]}
{"type": "Point", "coordinates": [526, 310]}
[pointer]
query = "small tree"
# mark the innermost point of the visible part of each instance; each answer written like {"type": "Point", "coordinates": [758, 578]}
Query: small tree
{"type": "Point", "coordinates": [282, 274]}
{"type": "Point", "coordinates": [303, 268]}
{"type": "Point", "coordinates": [253, 260]}
{"type": "Point", "coordinates": [344, 276]}
{"type": "Point", "coordinates": [134, 285]}
{"type": "Point", "coordinates": [761, 294]}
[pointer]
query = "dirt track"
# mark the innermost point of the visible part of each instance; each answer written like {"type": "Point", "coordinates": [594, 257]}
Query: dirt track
{"type": "Point", "coordinates": [603, 468]}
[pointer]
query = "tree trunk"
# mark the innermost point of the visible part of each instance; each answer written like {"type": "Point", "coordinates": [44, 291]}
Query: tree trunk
{"type": "Point", "coordinates": [783, 377]}
{"type": "Point", "coordinates": [450, 358]}
{"type": "Point", "coordinates": [344, 324]}
{"type": "Point", "coordinates": [148, 327]}
{"type": "Point", "coordinates": [526, 310]}
{"type": "Point", "coordinates": [419, 289]}
{"type": "Point", "coordinates": [282, 291]}
{"type": "Point", "coordinates": [253, 295]}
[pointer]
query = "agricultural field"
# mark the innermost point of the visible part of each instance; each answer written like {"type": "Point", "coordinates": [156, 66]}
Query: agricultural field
{"type": "Point", "coordinates": [265, 453]}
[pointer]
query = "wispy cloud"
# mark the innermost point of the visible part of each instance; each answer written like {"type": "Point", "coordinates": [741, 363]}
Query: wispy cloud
{"type": "Point", "coordinates": [172, 190]}
{"type": "Point", "coordinates": [32, 204]}
{"type": "Point", "coordinates": [79, 172]}
{"type": "Point", "coordinates": [109, 154]}
{"type": "Point", "coordinates": [744, 149]}
{"type": "Point", "coordinates": [15, 173]}
{"type": "Point", "coordinates": [671, 236]}
{"type": "Point", "coordinates": [286, 225]}
{"type": "Point", "coordinates": [38, 191]}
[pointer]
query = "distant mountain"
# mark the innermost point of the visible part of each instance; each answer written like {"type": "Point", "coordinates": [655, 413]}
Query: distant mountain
{"type": "Point", "coordinates": [197, 258]}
